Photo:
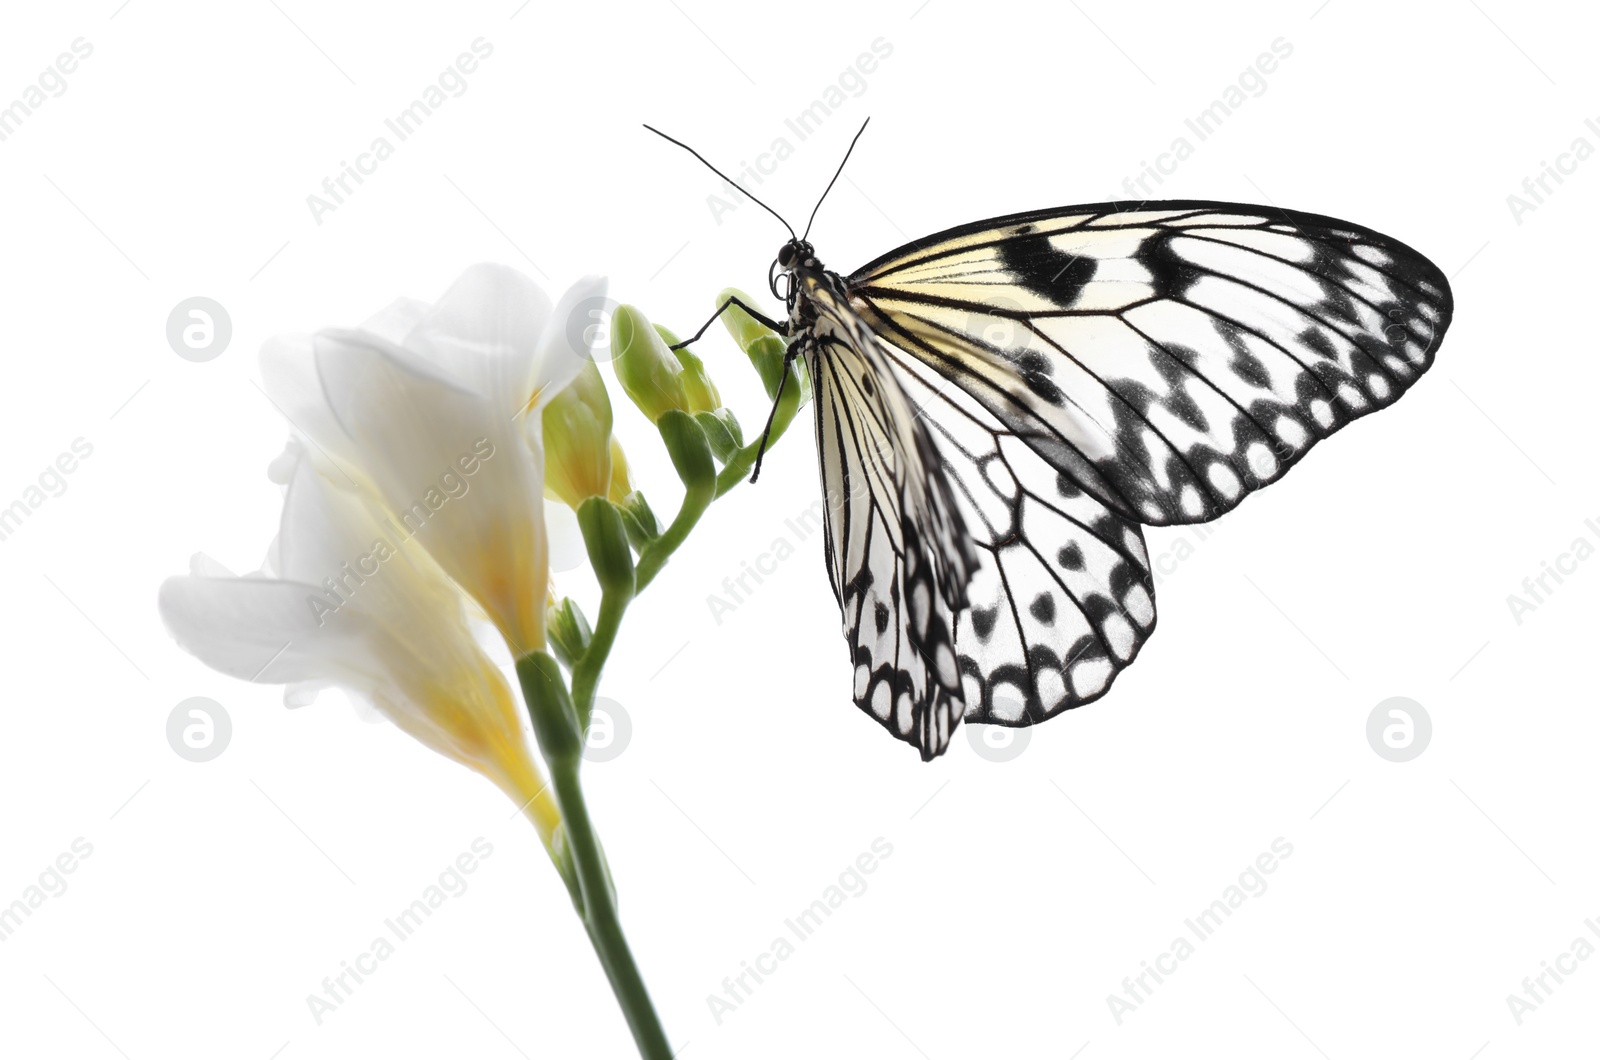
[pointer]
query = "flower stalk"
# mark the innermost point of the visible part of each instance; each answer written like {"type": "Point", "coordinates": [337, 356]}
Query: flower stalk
{"type": "Point", "coordinates": [606, 538]}
{"type": "Point", "coordinates": [560, 735]}
{"type": "Point", "coordinates": [697, 434]}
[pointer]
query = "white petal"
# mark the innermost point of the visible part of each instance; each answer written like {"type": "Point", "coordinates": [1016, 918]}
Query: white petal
{"type": "Point", "coordinates": [322, 530]}
{"type": "Point", "coordinates": [366, 710]}
{"type": "Point", "coordinates": [567, 550]}
{"type": "Point", "coordinates": [302, 693]}
{"type": "Point", "coordinates": [281, 470]}
{"type": "Point", "coordinates": [418, 435]}
{"type": "Point", "coordinates": [484, 331]}
{"type": "Point", "coordinates": [266, 631]}
{"type": "Point", "coordinates": [289, 378]}
{"type": "Point", "coordinates": [396, 320]}
{"type": "Point", "coordinates": [206, 567]}
{"type": "Point", "coordinates": [570, 340]}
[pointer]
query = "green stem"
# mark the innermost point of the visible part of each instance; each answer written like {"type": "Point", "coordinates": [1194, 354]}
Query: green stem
{"type": "Point", "coordinates": [560, 737]}
{"type": "Point", "coordinates": [737, 469]}
{"type": "Point", "coordinates": [586, 671]}
{"type": "Point", "coordinates": [656, 553]}
{"type": "Point", "coordinates": [600, 916]}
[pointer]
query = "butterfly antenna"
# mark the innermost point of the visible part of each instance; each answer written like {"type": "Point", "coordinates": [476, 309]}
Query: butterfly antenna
{"type": "Point", "coordinates": [723, 175]}
{"type": "Point", "coordinates": [835, 179]}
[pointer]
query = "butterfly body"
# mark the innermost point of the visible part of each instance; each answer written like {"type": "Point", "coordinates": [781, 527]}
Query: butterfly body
{"type": "Point", "coordinates": [1001, 407]}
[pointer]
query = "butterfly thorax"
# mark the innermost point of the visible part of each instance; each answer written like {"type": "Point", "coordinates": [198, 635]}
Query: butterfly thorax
{"type": "Point", "coordinates": [804, 277]}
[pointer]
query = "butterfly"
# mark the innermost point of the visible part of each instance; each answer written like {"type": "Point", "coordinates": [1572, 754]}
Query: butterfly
{"type": "Point", "coordinates": [1002, 407]}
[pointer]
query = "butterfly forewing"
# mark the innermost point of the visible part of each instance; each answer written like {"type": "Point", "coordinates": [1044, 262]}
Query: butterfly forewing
{"type": "Point", "coordinates": [1167, 360]}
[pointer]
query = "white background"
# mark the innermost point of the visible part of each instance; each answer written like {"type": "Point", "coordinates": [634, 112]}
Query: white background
{"type": "Point", "coordinates": [1019, 894]}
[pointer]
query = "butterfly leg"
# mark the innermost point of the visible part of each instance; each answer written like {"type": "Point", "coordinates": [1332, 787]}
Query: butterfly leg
{"type": "Point", "coordinates": [789, 355]}
{"type": "Point", "coordinates": [760, 318]}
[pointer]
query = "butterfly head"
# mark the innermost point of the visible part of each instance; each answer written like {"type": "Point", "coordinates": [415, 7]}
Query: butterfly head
{"type": "Point", "coordinates": [797, 255]}
{"type": "Point", "coordinates": [794, 254]}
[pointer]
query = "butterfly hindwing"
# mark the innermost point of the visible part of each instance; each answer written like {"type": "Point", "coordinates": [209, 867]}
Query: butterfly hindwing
{"type": "Point", "coordinates": [1063, 598]}
{"type": "Point", "coordinates": [1170, 359]}
{"type": "Point", "coordinates": [898, 556]}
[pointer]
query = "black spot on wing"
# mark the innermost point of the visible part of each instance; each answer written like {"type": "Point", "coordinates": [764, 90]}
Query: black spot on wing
{"type": "Point", "coordinates": [1172, 276]}
{"type": "Point", "coordinates": [1049, 272]}
{"type": "Point", "coordinates": [983, 620]}
{"type": "Point", "coordinates": [1043, 608]}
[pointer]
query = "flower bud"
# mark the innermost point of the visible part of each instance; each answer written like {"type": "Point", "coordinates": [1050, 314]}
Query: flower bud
{"type": "Point", "coordinates": [647, 370]}
{"type": "Point", "coordinates": [606, 536]}
{"type": "Point", "coordinates": [691, 457]}
{"type": "Point", "coordinates": [768, 351]}
{"type": "Point", "coordinates": [577, 439]}
{"type": "Point", "coordinates": [567, 630]}
{"type": "Point", "coordinates": [555, 719]}
{"type": "Point", "coordinates": [621, 480]}
{"type": "Point", "coordinates": [639, 521]}
{"type": "Point", "coordinates": [722, 431]}
{"type": "Point", "coordinates": [697, 384]}
{"type": "Point", "coordinates": [761, 344]}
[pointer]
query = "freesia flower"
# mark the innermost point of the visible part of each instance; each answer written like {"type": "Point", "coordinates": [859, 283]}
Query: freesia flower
{"type": "Point", "coordinates": [415, 514]}
{"type": "Point", "coordinates": [430, 405]}
{"type": "Point", "coordinates": [348, 599]}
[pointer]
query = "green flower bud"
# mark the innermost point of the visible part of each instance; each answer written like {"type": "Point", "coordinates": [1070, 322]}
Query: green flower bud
{"type": "Point", "coordinates": [577, 439]}
{"type": "Point", "coordinates": [765, 348]}
{"type": "Point", "coordinates": [567, 630]}
{"type": "Point", "coordinates": [645, 367]}
{"type": "Point", "coordinates": [606, 536]}
{"type": "Point", "coordinates": [722, 431]}
{"type": "Point", "coordinates": [697, 384]}
{"type": "Point", "coordinates": [555, 720]}
{"type": "Point", "coordinates": [639, 520]}
{"type": "Point", "coordinates": [691, 456]}
{"type": "Point", "coordinates": [744, 328]}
